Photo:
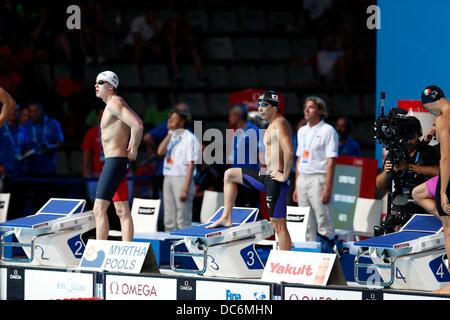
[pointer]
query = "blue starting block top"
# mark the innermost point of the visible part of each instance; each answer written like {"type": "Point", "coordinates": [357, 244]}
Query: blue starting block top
{"type": "Point", "coordinates": [54, 209]}
{"type": "Point", "coordinates": [418, 226]}
{"type": "Point", "coordinates": [426, 223]}
{"type": "Point", "coordinates": [238, 216]}
{"type": "Point", "coordinates": [390, 240]}
{"type": "Point", "coordinates": [63, 206]}
{"type": "Point", "coordinates": [31, 222]}
{"type": "Point", "coordinates": [199, 231]}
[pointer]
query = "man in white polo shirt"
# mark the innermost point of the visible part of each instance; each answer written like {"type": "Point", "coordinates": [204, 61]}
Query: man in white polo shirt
{"type": "Point", "coordinates": [317, 152]}
{"type": "Point", "coordinates": [180, 149]}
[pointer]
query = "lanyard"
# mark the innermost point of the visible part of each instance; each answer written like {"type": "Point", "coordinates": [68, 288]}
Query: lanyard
{"type": "Point", "coordinates": [44, 131]}
{"type": "Point", "coordinates": [314, 134]}
{"type": "Point", "coordinates": [15, 144]}
{"type": "Point", "coordinates": [172, 144]}
{"type": "Point", "coordinates": [417, 157]}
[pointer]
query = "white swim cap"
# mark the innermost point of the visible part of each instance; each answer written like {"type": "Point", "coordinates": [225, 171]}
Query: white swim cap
{"type": "Point", "coordinates": [109, 76]}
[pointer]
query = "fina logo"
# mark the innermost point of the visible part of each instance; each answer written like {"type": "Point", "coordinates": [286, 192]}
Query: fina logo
{"type": "Point", "coordinates": [70, 286]}
{"type": "Point", "coordinates": [259, 296]}
{"type": "Point", "coordinates": [232, 296]}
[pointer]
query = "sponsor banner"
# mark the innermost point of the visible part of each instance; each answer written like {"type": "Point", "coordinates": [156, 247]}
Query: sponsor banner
{"type": "Point", "coordinates": [119, 287]}
{"type": "Point", "coordinates": [215, 290]}
{"type": "Point", "coordinates": [49, 285]}
{"type": "Point", "coordinates": [346, 186]}
{"type": "Point", "coordinates": [294, 293]}
{"type": "Point", "coordinates": [2, 283]}
{"type": "Point", "coordinates": [395, 296]}
{"type": "Point", "coordinates": [186, 289]}
{"type": "Point", "coordinates": [117, 256]}
{"type": "Point", "coordinates": [298, 267]}
{"type": "Point", "coordinates": [15, 287]}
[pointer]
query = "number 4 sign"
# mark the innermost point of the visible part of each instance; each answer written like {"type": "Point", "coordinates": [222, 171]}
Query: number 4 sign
{"type": "Point", "coordinates": [439, 269]}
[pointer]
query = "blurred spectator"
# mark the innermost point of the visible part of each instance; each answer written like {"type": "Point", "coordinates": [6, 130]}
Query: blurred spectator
{"type": "Point", "coordinates": [143, 37]}
{"type": "Point", "coordinates": [347, 145]}
{"type": "Point", "coordinates": [14, 143]}
{"type": "Point", "coordinates": [46, 136]}
{"type": "Point", "coordinates": [180, 149]}
{"type": "Point", "coordinates": [245, 153]}
{"type": "Point", "coordinates": [178, 43]}
{"type": "Point", "coordinates": [24, 115]}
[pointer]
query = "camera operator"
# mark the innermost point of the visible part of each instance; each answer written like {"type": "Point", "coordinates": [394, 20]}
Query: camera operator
{"type": "Point", "coordinates": [414, 163]}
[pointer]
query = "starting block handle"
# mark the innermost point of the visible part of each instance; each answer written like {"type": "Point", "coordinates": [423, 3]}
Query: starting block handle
{"type": "Point", "coordinates": [4, 244]}
{"type": "Point", "coordinates": [359, 265]}
{"type": "Point", "coordinates": [390, 265]}
{"type": "Point", "coordinates": [174, 254]}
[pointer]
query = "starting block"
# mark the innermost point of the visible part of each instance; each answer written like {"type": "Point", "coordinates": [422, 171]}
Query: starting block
{"type": "Point", "coordinates": [52, 236]}
{"type": "Point", "coordinates": [411, 258]}
{"type": "Point", "coordinates": [224, 251]}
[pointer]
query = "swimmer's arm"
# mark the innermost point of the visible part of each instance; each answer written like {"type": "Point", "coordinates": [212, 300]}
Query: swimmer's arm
{"type": "Point", "coordinates": [299, 156]}
{"type": "Point", "coordinates": [131, 119]}
{"type": "Point", "coordinates": [9, 105]}
{"type": "Point", "coordinates": [430, 171]}
{"type": "Point", "coordinates": [287, 149]}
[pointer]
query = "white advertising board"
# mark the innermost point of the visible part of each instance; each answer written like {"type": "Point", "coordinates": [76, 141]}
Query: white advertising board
{"type": "Point", "coordinates": [49, 285]}
{"type": "Point", "coordinates": [117, 256]}
{"type": "Point", "coordinates": [298, 267]}
{"type": "Point", "coordinates": [119, 287]}
{"type": "Point", "coordinates": [293, 293]}
{"type": "Point", "coordinates": [218, 290]}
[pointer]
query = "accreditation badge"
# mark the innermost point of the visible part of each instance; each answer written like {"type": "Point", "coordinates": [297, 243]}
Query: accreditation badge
{"type": "Point", "coordinates": [306, 157]}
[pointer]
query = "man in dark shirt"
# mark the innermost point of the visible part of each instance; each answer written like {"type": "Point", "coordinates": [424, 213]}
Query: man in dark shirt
{"type": "Point", "coordinates": [347, 145]}
{"type": "Point", "coordinates": [414, 164]}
